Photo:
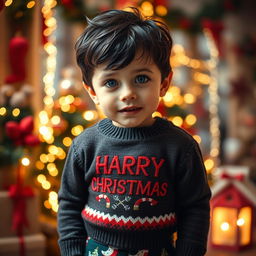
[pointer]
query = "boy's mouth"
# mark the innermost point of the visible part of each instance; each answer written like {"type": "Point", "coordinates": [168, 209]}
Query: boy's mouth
{"type": "Point", "coordinates": [130, 109]}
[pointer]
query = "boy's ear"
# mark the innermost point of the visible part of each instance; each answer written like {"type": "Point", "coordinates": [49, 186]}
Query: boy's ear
{"type": "Point", "coordinates": [91, 93]}
{"type": "Point", "coordinates": [165, 84]}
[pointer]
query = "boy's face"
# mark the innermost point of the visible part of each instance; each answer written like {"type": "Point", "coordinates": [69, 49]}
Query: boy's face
{"type": "Point", "coordinates": [130, 95]}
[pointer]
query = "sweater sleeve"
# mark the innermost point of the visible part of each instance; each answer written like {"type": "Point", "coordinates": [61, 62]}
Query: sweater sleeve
{"type": "Point", "coordinates": [72, 197]}
{"type": "Point", "coordinates": [192, 201]}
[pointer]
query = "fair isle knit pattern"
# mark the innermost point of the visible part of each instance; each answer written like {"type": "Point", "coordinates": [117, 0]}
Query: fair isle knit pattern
{"type": "Point", "coordinates": [132, 188]}
{"type": "Point", "coordinates": [129, 222]}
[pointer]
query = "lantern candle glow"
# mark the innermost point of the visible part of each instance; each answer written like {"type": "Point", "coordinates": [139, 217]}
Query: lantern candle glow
{"type": "Point", "coordinates": [232, 209]}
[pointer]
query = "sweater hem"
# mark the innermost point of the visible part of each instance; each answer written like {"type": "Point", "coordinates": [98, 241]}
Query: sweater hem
{"type": "Point", "coordinates": [72, 247]}
{"type": "Point", "coordinates": [150, 239]}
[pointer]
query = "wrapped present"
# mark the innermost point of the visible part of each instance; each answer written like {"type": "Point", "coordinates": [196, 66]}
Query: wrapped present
{"type": "Point", "coordinates": [34, 245]}
{"type": "Point", "coordinates": [6, 215]}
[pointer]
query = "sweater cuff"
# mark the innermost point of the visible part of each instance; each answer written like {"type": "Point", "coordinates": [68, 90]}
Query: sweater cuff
{"type": "Point", "coordinates": [185, 248]}
{"type": "Point", "coordinates": [74, 247]}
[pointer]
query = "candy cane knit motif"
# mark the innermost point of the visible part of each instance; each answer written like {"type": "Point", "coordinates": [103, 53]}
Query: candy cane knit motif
{"type": "Point", "coordinates": [139, 201]}
{"type": "Point", "coordinates": [99, 197]}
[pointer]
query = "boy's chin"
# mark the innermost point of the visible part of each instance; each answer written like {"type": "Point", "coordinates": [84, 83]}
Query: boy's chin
{"type": "Point", "coordinates": [133, 124]}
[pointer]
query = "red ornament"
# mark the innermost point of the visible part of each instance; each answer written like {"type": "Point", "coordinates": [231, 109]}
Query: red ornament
{"type": "Point", "coordinates": [21, 133]}
{"type": "Point", "coordinates": [31, 140]}
{"type": "Point", "coordinates": [12, 130]}
{"type": "Point", "coordinates": [26, 125]}
{"type": "Point", "coordinates": [18, 48]}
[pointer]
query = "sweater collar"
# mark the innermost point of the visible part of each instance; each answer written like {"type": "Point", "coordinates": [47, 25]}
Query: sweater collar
{"type": "Point", "coordinates": [107, 128]}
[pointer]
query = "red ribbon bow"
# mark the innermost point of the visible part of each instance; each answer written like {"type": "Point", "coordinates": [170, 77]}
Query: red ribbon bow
{"type": "Point", "coordinates": [21, 133]}
{"type": "Point", "coordinates": [19, 193]}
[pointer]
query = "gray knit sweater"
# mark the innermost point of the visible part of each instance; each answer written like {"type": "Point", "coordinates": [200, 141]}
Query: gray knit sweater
{"type": "Point", "coordinates": [132, 188]}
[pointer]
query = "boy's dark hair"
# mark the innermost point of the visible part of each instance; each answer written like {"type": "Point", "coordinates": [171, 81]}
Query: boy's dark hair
{"type": "Point", "coordinates": [115, 36]}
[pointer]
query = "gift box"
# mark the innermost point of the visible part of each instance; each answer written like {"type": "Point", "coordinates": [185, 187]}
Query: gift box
{"type": "Point", "coordinates": [6, 215]}
{"type": "Point", "coordinates": [34, 245]}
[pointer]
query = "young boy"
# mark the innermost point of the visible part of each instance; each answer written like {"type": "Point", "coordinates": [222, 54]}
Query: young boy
{"type": "Point", "coordinates": [131, 180]}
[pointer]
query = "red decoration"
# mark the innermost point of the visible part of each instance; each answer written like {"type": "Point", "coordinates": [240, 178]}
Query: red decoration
{"type": "Point", "coordinates": [18, 48]}
{"type": "Point", "coordinates": [26, 125]}
{"type": "Point", "coordinates": [19, 193]}
{"type": "Point", "coordinates": [68, 3]}
{"type": "Point", "coordinates": [239, 177]}
{"type": "Point", "coordinates": [21, 133]}
{"type": "Point", "coordinates": [12, 130]}
{"type": "Point", "coordinates": [215, 28]}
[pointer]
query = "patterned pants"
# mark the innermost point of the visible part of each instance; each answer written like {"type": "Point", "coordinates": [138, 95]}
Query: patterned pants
{"type": "Point", "coordinates": [93, 248]}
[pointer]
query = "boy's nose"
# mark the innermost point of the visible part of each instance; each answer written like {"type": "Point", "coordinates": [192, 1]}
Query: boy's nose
{"type": "Point", "coordinates": [127, 93]}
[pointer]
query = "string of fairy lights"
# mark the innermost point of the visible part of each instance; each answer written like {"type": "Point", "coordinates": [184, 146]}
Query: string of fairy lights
{"type": "Point", "coordinates": [173, 95]}
{"type": "Point", "coordinates": [45, 116]}
{"type": "Point", "coordinates": [29, 5]}
{"type": "Point", "coordinates": [213, 98]}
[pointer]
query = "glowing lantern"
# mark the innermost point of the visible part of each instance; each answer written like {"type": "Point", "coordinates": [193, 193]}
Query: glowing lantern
{"type": "Point", "coordinates": [232, 209]}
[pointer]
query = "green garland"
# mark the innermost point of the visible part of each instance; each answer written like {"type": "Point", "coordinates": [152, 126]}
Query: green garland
{"type": "Point", "coordinates": [77, 11]}
{"type": "Point", "coordinates": [175, 18]}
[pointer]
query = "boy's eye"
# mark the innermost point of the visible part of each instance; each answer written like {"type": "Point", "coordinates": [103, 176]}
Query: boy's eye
{"type": "Point", "coordinates": [111, 83]}
{"type": "Point", "coordinates": [141, 79]}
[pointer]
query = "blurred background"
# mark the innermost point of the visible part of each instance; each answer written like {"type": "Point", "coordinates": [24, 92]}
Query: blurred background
{"type": "Point", "coordinates": [43, 107]}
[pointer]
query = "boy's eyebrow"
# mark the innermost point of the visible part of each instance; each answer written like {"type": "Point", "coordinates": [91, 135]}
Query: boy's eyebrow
{"type": "Point", "coordinates": [111, 73]}
{"type": "Point", "coordinates": [142, 70]}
